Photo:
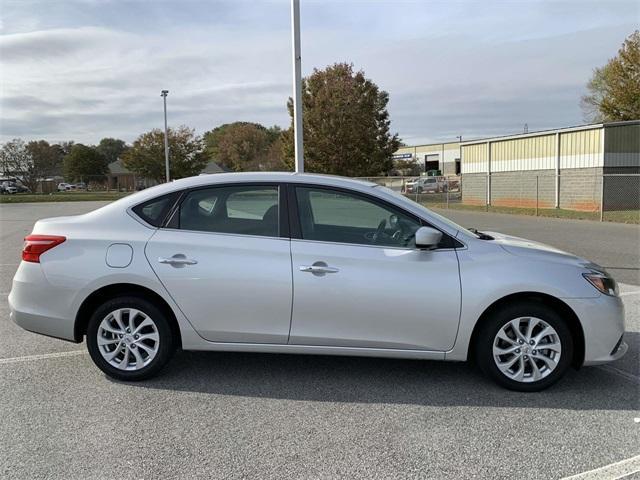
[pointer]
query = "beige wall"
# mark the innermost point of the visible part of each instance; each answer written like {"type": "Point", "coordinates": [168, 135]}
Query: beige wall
{"type": "Point", "coordinates": [475, 158]}
{"type": "Point", "coordinates": [582, 149]}
{"type": "Point", "coordinates": [579, 148]}
{"type": "Point", "coordinates": [531, 153]}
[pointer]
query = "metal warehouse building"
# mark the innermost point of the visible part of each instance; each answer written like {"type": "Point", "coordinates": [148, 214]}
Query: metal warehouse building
{"type": "Point", "coordinates": [577, 168]}
{"type": "Point", "coordinates": [435, 156]}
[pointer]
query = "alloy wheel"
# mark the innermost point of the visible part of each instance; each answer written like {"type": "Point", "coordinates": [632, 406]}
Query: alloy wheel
{"type": "Point", "coordinates": [527, 349]}
{"type": "Point", "coordinates": [128, 339]}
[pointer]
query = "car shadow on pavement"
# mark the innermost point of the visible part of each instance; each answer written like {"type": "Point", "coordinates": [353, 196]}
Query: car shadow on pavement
{"type": "Point", "coordinates": [390, 381]}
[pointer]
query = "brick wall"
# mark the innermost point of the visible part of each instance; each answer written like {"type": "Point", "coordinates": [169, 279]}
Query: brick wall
{"type": "Point", "coordinates": [518, 189]}
{"type": "Point", "coordinates": [474, 188]}
{"type": "Point", "coordinates": [580, 189]}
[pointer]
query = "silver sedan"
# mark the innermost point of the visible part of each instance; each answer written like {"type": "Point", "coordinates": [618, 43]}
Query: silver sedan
{"type": "Point", "coordinates": [310, 264]}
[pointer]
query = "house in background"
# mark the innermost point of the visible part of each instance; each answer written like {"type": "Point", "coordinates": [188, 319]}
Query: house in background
{"type": "Point", "coordinates": [122, 179]}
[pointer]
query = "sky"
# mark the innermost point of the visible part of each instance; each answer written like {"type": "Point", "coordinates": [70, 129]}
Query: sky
{"type": "Point", "coordinates": [87, 69]}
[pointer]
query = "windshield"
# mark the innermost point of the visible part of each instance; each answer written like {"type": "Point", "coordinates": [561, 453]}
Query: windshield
{"type": "Point", "coordinates": [444, 220]}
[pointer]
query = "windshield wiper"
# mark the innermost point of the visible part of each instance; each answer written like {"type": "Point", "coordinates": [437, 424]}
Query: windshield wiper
{"type": "Point", "coordinates": [481, 236]}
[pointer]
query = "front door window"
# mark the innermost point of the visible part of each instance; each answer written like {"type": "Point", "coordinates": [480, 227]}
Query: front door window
{"type": "Point", "coordinates": [335, 216]}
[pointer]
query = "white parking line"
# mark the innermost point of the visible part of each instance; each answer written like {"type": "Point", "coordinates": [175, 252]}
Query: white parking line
{"type": "Point", "coordinates": [613, 471]}
{"type": "Point", "coordinates": [44, 356]}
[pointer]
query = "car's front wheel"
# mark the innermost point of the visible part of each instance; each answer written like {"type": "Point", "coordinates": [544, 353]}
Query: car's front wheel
{"type": "Point", "coordinates": [129, 338]}
{"type": "Point", "coordinates": [525, 347]}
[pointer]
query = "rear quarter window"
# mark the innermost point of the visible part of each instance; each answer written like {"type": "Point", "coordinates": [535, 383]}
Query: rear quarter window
{"type": "Point", "coordinates": [154, 211]}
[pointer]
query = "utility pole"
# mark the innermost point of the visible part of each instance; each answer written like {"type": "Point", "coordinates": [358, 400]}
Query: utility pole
{"type": "Point", "coordinates": [164, 94]}
{"type": "Point", "coordinates": [297, 86]}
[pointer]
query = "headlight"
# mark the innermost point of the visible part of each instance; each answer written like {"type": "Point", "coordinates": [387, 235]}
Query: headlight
{"type": "Point", "coordinates": [602, 282]}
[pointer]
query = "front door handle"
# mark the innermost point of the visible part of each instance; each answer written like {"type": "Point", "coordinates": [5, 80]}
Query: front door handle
{"type": "Point", "coordinates": [178, 260]}
{"type": "Point", "coordinates": [319, 268]}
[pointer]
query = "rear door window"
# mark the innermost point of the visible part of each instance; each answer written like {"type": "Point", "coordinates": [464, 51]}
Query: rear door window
{"type": "Point", "coordinates": [243, 210]}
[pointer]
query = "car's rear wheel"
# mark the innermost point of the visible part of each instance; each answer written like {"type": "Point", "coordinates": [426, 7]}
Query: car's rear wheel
{"type": "Point", "coordinates": [129, 338]}
{"type": "Point", "coordinates": [525, 347]}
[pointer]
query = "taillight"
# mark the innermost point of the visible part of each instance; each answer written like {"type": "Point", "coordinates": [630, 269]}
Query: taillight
{"type": "Point", "coordinates": [36, 245]}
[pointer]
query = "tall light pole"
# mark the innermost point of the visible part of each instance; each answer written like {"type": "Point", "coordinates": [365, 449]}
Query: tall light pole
{"type": "Point", "coordinates": [164, 94]}
{"type": "Point", "coordinates": [297, 86]}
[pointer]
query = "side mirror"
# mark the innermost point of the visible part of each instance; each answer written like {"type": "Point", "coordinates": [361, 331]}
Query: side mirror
{"type": "Point", "coordinates": [428, 238]}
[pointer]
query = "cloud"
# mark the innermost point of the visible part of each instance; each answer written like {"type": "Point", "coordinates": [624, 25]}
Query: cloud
{"type": "Point", "coordinates": [90, 81]}
{"type": "Point", "coordinates": [89, 69]}
{"type": "Point", "coordinates": [51, 45]}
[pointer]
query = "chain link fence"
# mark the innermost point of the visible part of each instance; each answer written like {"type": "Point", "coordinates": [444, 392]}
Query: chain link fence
{"type": "Point", "coordinates": [572, 194]}
{"type": "Point", "coordinates": [435, 191]}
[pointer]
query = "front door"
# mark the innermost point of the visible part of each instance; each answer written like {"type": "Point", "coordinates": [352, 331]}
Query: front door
{"type": "Point", "coordinates": [225, 264]}
{"type": "Point", "coordinates": [359, 281]}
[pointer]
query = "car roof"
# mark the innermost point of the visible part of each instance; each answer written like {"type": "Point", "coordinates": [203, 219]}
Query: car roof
{"type": "Point", "coordinates": [244, 177]}
{"type": "Point", "coordinates": [275, 177]}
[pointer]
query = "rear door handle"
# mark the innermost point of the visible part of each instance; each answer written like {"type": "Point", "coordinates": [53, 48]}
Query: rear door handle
{"type": "Point", "coordinates": [319, 269]}
{"type": "Point", "coordinates": [178, 260]}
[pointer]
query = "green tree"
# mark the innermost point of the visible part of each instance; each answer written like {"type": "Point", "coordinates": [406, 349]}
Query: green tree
{"type": "Point", "coordinates": [244, 146]}
{"type": "Point", "coordinates": [47, 159]}
{"type": "Point", "coordinates": [407, 167]}
{"type": "Point", "coordinates": [67, 146]}
{"type": "Point", "coordinates": [614, 89]}
{"type": "Point", "coordinates": [14, 158]}
{"type": "Point", "coordinates": [345, 124]}
{"type": "Point", "coordinates": [146, 156]}
{"type": "Point", "coordinates": [111, 148]}
{"type": "Point", "coordinates": [82, 162]}
{"type": "Point", "coordinates": [30, 162]}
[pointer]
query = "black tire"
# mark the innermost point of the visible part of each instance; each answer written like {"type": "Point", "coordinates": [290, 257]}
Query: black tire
{"type": "Point", "coordinates": [167, 343]}
{"type": "Point", "coordinates": [490, 328]}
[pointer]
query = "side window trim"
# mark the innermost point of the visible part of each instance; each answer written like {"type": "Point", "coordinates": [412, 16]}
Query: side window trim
{"type": "Point", "coordinates": [171, 215]}
{"type": "Point", "coordinates": [173, 219]}
{"type": "Point", "coordinates": [296, 229]}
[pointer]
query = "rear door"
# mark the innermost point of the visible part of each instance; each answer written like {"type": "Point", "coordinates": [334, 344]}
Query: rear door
{"type": "Point", "coordinates": [359, 281]}
{"type": "Point", "coordinates": [225, 260]}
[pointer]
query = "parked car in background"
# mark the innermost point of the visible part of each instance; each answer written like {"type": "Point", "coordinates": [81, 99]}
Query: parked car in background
{"type": "Point", "coordinates": [8, 187]}
{"type": "Point", "coordinates": [64, 187]}
{"type": "Point", "coordinates": [426, 185]}
{"type": "Point", "coordinates": [212, 263]}
{"type": "Point", "coordinates": [81, 186]}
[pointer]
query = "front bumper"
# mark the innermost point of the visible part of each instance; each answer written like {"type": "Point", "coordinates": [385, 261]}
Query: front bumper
{"type": "Point", "coordinates": [602, 320]}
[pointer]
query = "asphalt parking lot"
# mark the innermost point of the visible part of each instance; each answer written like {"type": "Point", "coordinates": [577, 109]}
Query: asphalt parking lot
{"type": "Point", "coordinates": [227, 415]}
